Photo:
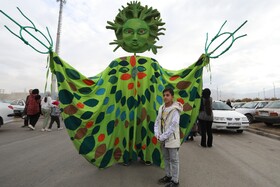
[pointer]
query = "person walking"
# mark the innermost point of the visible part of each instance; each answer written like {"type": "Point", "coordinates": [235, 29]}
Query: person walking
{"type": "Point", "coordinates": [33, 108]}
{"type": "Point", "coordinates": [229, 103]}
{"type": "Point", "coordinates": [46, 105]}
{"type": "Point", "coordinates": [205, 118]}
{"type": "Point", "coordinates": [167, 131]}
{"type": "Point", "coordinates": [55, 113]}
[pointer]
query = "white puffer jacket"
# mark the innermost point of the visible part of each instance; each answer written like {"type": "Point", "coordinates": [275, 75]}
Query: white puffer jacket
{"type": "Point", "coordinates": [167, 130]}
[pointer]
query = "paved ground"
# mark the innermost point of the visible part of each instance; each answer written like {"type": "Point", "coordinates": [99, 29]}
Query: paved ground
{"type": "Point", "coordinates": [34, 158]}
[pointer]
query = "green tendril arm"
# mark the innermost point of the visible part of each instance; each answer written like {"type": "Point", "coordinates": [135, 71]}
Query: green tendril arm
{"type": "Point", "coordinates": [231, 35]}
{"type": "Point", "coordinates": [26, 29]}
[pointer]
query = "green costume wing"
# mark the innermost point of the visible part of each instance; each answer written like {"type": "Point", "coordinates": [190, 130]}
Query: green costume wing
{"type": "Point", "coordinates": [110, 117]}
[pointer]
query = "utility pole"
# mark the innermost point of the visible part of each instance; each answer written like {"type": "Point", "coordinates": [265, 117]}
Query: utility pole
{"type": "Point", "coordinates": [53, 85]}
{"type": "Point", "coordinates": [274, 90]}
{"type": "Point", "coordinates": [217, 93]}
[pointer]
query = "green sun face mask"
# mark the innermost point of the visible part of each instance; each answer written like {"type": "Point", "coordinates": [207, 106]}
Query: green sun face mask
{"type": "Point", "coordinates": [135, 35]}
{"type": "Point", "coordinates": [137, 28]}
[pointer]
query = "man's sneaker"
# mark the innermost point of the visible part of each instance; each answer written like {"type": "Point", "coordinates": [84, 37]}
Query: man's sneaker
{"type": "Point", "coordinates": [60, 128]}
{"type": "Point", "coordinates": [31, 127]}
{"type": "Point", "coordinates": [172, 184]}
{"type": "Point", "coordinates": [49, 130]}
{"type": "Point", "coordinates": [43, 130]}
{"type": "Point", "coordinates": [164, 180]}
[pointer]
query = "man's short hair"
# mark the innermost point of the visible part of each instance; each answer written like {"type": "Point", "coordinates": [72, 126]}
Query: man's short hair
{"type": "Point", "coordinates": [170, 90]}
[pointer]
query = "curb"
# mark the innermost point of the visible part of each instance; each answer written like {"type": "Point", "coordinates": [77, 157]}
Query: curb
{"type": "Point", "coordinates": [262, 133]}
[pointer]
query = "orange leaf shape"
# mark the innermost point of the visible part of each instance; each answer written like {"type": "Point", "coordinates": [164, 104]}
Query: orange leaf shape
{"type": "Point", "coordinates": [141, 75]}
{"type": "Point", "coordinates": [117, 140]}
{"type": "Point", "coordinates": [125, 76]}
{"type": "Point", "coordinates": [130, 86]}
{"type": "Point", "coordinates": [173, 78]}
{"type": "Point", "coordinates": [89, 124]}
{"type": "Point", "coordinates": [80, 105]}
{"type": "Point", "coordinates": [132, 61]}
{"type": "Point", "coordinates": [88, 82]}
{"type": "Point", "coordinates": [101, 137]}
{"type": "Point", "coordinates": [181, 100]}
{"type": "Point", "coordinates": [154, 140]}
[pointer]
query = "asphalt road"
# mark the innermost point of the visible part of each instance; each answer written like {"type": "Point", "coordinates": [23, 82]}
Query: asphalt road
{"type": "Point", "coordinates": [35, 158]}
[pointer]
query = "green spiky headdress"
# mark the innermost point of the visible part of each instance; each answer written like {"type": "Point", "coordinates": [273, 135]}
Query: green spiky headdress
{"type": "Point", "coordinates": [135, 10]}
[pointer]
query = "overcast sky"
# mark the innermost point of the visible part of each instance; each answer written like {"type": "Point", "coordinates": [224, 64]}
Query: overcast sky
{"type": "Point", "coordinates": [251, 65]}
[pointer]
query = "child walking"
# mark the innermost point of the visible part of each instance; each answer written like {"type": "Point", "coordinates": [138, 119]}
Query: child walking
{"type": "Point", "coordinates": [55, 113]}
{"type": "Point", "coordinates": [167, 132]}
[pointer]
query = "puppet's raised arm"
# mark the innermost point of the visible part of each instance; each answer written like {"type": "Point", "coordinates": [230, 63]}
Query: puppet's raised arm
{"type": "Point", "coordinates": [219, 34]}
{"type": "Point", "coordinates": [48, 44]}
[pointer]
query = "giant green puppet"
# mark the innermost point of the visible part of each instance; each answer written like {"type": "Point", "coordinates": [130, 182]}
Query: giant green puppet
{"type": "Point", "coordinates": [110, 117]}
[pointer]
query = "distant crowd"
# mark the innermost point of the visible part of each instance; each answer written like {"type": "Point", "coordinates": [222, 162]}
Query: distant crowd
{"type": "Point", "coordinates": [37, 106]}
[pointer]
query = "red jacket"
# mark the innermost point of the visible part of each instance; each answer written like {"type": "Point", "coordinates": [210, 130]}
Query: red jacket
{"type": "Point", "coordinates": [33, 105]}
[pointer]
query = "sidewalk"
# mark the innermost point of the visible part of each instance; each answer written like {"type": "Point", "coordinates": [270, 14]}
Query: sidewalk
{"type": "Point", "coordinates": [269, 131]}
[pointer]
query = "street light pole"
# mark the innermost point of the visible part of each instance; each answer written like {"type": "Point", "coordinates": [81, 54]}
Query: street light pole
{"type": "Point", "coordinates": [274, 90]}
{"type": "Point", "coordinates": [53, 85]}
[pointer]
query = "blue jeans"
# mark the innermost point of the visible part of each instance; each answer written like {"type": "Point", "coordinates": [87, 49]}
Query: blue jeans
{"type": "Point", "coordinates": [171, 161]}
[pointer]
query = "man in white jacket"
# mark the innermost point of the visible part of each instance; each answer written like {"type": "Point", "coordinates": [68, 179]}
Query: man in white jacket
{"type": "Point", "coordinates": [167, 131]}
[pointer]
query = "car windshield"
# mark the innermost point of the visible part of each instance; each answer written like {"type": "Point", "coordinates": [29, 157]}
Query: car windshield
{"type": "Point", "coordinates": [220, 106]}
{"type": "Point", "coordinates": [15, 102]}
{"type": "Point", "coordinates": [5, 101]}
{"type": "Point", "coordinates": [273, 104]}
{"type": "Point", "coordinates": [250, 105]}
{"type": "Point", "coordinates": [238, 104]}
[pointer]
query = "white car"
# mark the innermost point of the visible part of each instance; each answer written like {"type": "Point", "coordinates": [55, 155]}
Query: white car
{"type": "Point", "coordinates": [225, 118]}
{"type": "Point", "coordinates": [18, 106]}
{"type": "Point", "coordinates": [5, 110]}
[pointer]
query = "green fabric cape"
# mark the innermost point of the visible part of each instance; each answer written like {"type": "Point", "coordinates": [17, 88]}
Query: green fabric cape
{"type": "Point", "coordinates": [110, 117]}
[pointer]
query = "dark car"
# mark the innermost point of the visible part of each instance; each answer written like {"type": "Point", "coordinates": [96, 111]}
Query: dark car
{"type": "Point", "coordinates": [270, 114]}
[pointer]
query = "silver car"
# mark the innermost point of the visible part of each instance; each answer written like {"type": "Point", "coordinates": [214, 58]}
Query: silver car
{"type": "Point", "coordinates": [249, 109]}
{"type": "Point", "coordinates": [270, 114]}
{"type": "Point", "coordinates": [18, 106]}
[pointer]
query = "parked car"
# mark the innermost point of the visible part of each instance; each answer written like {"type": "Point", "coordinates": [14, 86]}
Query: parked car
{"type": "Point", "coordinates": [238, 105]}
{"type": "Point", "coordinates": [270, 114]}
{"type": "Point", "coordinates": [249, 109]}
{"type": "Point", "coordinates": [225, 118]}
{"type": "Point", "coordinates": [18, 106]}
{"type": "Point", "coordinates": [5, 110]}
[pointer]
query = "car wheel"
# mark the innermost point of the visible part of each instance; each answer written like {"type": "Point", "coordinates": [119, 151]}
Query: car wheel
{"type": "Point", "coordinates": [1, 121]}
{"type": "Point", "coordinates": [268, 124]}
{"type": "Point", "coordinates": [250, 118]}
{"type": "Point", "coordinates": [239, 131]}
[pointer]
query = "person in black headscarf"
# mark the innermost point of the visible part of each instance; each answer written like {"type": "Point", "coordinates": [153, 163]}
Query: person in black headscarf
{"type": "Point", "coordinates": [205, 118]}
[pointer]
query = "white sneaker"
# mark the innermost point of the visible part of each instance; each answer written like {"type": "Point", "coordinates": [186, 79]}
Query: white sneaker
{"type": "Point", "coordinates": [60, 128]}
{"type": "Point", "coordinates": [31, 127]}
{"type": "Point", "coordinates": [43, 130]}
{"type": "Point", "coordinates": [49, 130]}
